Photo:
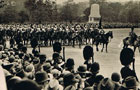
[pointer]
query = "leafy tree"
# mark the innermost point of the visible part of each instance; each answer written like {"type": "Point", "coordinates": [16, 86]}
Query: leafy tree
{"type": "Point", "coordinates": [2, 4]}
{"type": "Point", "coordinates": [69, 12]}
{"type": "Point", "coordinates": [23, 16]}
{"type": "Point", "coordinates": [10, 15]}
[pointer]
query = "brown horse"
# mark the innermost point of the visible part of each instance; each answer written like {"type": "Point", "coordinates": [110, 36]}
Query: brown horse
{"type": "Point", "coordinates": [128, 41]}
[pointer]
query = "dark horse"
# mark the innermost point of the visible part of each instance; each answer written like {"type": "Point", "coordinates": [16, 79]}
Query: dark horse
{"type": "Point", "coordinates": [135, 43]}
{"type": "Point", "coordinates": [103, 39]}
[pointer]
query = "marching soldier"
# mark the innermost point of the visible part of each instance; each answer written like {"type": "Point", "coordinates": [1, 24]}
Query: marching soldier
{"type": "Point", "coordinates": [88, 56]}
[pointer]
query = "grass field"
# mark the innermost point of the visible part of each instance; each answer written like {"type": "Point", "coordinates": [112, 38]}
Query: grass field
{"type": "Point", "coordinates": [109, 62]}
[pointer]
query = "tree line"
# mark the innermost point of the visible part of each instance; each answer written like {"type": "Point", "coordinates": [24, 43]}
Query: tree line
{"type": "Point", "coordinates": [40, 12]}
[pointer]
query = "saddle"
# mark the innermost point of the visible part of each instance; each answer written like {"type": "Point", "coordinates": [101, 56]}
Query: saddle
{"type": "Point", "coordinates": [130, 41]}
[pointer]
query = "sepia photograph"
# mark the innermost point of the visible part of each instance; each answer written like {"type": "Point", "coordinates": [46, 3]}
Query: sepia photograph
{"type": "Point", "coordinates": [69, 44]}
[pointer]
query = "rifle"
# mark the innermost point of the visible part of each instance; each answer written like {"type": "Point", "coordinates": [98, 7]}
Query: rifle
{"type": "Point", "coordinates": [64, 54]}
{"type": "Point", "coordinates": [39, 43]}
{"type": "Point", "coordinates": [92, 59]}
{"type": "Point", "coordinates": [135, 70]}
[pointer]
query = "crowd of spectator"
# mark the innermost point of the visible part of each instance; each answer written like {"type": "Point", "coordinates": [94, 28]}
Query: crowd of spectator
{"type": "Point", "coordinates": [20, 70]}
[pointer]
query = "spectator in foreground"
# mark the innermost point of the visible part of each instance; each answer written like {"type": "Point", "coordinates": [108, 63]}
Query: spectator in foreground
{"type": "Point", "coordinates": [94, 71]}
{"type": "Point", "coordinates": [26, 85]}
{"type": "Point", "coordinates": [130, 83]}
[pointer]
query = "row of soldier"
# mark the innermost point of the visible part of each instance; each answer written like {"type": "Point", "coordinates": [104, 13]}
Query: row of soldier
{"type": "Point", "coordinates": [46, 35]}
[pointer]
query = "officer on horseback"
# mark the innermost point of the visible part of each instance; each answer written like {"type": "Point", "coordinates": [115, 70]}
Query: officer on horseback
{"type": "Point", "coordinates": [132, 35]}
{"type": "Point", "coordinates": [101, 32]}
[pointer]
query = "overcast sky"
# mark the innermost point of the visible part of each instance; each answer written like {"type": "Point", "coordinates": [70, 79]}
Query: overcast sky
{"type": "Point", "coordinates": [61, 1]}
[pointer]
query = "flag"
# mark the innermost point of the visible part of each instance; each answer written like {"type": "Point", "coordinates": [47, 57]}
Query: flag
{"type": "Point", "coordinates": [100, 23]}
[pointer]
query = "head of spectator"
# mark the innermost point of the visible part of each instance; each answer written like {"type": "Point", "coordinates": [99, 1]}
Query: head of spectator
{"type": "Point", "coordinates": [35, 53]}
{"type": "Point", "coordinates": [21, 55]}
{"type": "Point", "coordinates": [69, 80]}
{"type": "Point", "coordinates": [26, 85]}
{"type": "Point", "coordinates": [11, 59]}
{"type": "Point", "coordinates": [57, 58]}
{"type": "Point", "coordinates": [36, 61]}
{"type": "Point", "coordinates": [42, 58]}
{"type": "Point", "coordinates": [42, 79]}
{"type": "Point", "coordinates": [70, 64]}
{"type": "Point", "coordinates": [106, 84]}
{"type": "Point", "coordinates": [12, 82]}
{"type": "Point", "coordinates": [82, 70]}
{"type": "Point", "coordinates": [21, 73]}
{"type": "Point", "coordinates": [126, 56]}
{"type": "Point", "coordinates": [97, 80]}
{"type": "Point", "coordinates": [47, 67]}
{"type": "Point", "coordinates": [95, 67]}
{"type": "Point", "coordinates": [53, 85]}
{"type": "Point", "coordinates": [27, 57]}
{"type": "Point", "coordinates": [115, 77]}
{"type": "Point", "coordinates": [56, 73]}
{"type": "Point", "coordinates": [9, 67]}
{"type": "Point", "coordinates": [131, 83]}
{"type": "Point", "coordinates": [30, 71]}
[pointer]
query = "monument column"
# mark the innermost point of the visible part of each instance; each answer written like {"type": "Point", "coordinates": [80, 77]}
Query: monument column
{"type": "Point", "coordinates": [94, 16]}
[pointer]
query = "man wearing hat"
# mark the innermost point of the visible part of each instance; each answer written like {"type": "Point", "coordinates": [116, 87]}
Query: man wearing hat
{"type": "Point", "coordinates": [54, 83]}
{"type": "Point", "coordinates": [69, 82]}
{"type": "Point", "coordinates": [82, 71]}
{"type": "Point", "coordinates": [42, 79]}
{"type": "Point", "coordinates": [69, 65]}
{"type": "Point", "coordinates": [106, 84]}
{"type": "Point", "coordinates": [48, 68]}
{"type": "Point", "coordinates": [115, 77]}
{"type": "Point", "coordinates": [26, 85]}
{"type": "Point", "coordinates": [42, 58]}
{"type": "Point", "coordinates": [130, 83]}
{"type": "Point", "coordinates": [58, 63]}
{"type": "Point", "coordinates": [94, 71]}
{"type": "Point", "coordinates": [57, 48]}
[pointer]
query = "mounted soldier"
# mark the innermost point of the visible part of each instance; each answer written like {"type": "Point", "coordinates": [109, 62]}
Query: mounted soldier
{"type": "Point", "coordinates": [101, 32]}
{"type": "Point", "coordinates": [133, 36]}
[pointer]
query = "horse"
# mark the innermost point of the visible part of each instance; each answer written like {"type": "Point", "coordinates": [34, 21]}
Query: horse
{"type": "Point", "coordinates": [128, 41]}
{"type": "Point", "coordinates": [103, 39]}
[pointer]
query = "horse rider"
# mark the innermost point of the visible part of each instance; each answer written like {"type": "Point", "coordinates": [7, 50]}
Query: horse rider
{"type": "Point", "coordinates": [132, 35]}
{"type": "Point", "coordinates": [101, 32]}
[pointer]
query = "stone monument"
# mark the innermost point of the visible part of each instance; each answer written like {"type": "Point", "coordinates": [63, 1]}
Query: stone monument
{"type": "Point", "coordinates": [94, 16]}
